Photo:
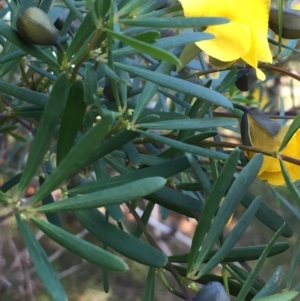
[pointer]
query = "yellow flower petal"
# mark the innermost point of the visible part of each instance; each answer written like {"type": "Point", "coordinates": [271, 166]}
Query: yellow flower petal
{"type": "Point", "coordinates": [231, 41]}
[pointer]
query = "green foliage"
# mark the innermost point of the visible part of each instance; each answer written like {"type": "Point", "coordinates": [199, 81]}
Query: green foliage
{"type": "Point", "coordinates": [122, 110]}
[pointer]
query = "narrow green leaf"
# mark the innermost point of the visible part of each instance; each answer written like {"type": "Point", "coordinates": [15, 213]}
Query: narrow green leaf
{"type": "Point", "coordinates": [212, 204]}
{"type": "Point", "coordinates": [144, 218]}
{"type": "Point", "coordinates": [14, 180]}
{"type": "Point", "coordinates": [232, 238]}
{"type": "Point", "coordinates": [73, 9]}
{"type": "Point", "coordinates": [233, 197]}
{"type": "Point", "coordinates": [289, 183]}
{"type": "Point", "coordinates": [268, 216]}
{"type": "Point", "coordinates": [41, 262]}
{"type": "Point", "coordinates": [255, 271]}
{"type": "Point", "coordinates": [86, 28]}
{"type": "Point", "coordinates": [149, 290]}
{"type": "Point", "coordinates": [124, 243]}
{"type": "Point", "coordinates": [294, 264]}
{"type": "Point", "coordinates": [169, 42]}
{"type": "Point", "coordinates": [180, 85]}
{"type": "Point", "coordinates": [272, 286]}
{"type": "Point", "coordinates": [286, 296]}
{"type": "Point", "coordinates": [149, 91]}
{"type": "Point", "coordinates": [81, 247]}
{"type": "Point", "coordinates": [42, 139]}
{"type": "Point", "coordinates": [196, 150]}
{"type": "Point", "coordinates": [148, 36]}
{"type": "Point", "coordinates": [147, 48]}
{"type": "Point", "coordinates": [176, 22]}
{"type": "Point", "coordinates": [73, 160]}
{"type": "Point", "coordinates": [52, 218]}
{"type": "Point", "coordinates": [200, 174]}
{"type": "Point", "coordinates": [239, 254]}
{"type": "Point", "coordinates": [176, 201]}
{"type": "Point", "coordinates": [72, 119]}
{"type": "Point", "coordinates": [291, 131]}
{"type": "Point", "coordinates": [32, 97]}
{"type": "Point", "coordinates": [165, 170]}
{"type": "Point", "coordinates": [188, 53]}
{"type": "Point", "coordinates": [110, 145]}
{"type": "Point", "coordinates": [109, 196]}
{"type": "Point", "coordinates": [11, 35]}
{"type": "Point", "coordinates": [189, 124]}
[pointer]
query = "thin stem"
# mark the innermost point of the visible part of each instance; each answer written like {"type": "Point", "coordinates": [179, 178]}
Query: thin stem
{"type": "Point", "coordinates": [169, 265]}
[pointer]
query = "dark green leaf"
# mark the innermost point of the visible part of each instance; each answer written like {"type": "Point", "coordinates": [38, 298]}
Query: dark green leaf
{"type": "Point", "coordinates": [240, 254]}
{"type": "Point", "coordinates": [32, 97]}
{"type": "Point", "coordinates": [212, 204]}
{"type": "Point", "coordinates": [232, 238]}
{"type": "Point", "coordinates": [268, 216]}
{"type": "Point", "coordinates": [165, 169]}
{"type": "Point", "coordinates": [124, 243]}
{"type": "Point", "coordinates": [78, 154]}
{"type": "Point", "coordinates": [196, 150]}
{"type": "Point", "coordinates": [149, 290]}
{"type": "Point", "coordinates": [42, 139]}
{"type": "Point", "coordinates": [147, 48]}
{"type": "Point", "coordinates": [272, 286]}
{"type": "Point", "coordinates": [72, 119]}
{"type": "Point", "coordinates": [109, 196]}
{"type": "Point", "coordinates": [291, 131]}
{"type": "Point", "coordinates": [177, 22]}
{"type": "Point", "coordinates": [41, 262]}
{"type": "Point", "coordinates": [81, 247]}
{"type": "Point", "coordinates": [188, 124]}
{"type": "Point", "coordinates": [180, 85]}
{"type": "Point", "coordinates": [255, 271]}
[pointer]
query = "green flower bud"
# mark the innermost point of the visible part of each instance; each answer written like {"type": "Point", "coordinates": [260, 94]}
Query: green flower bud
{"type": "Point", "coordinates": [35, 27]}
{"type": "Point", "coordinates": [256, 122]}
{"type": "Point", "coordinates": [290, 22]}
{"type": "Point", "coordinates": [246, 79]}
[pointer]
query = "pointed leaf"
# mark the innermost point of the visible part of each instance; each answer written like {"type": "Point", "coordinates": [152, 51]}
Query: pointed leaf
{"type": "Point", "coordinates": [149, 290]}
{"type": "Point", "coordinates": [110, 196]}
{"type": "Point", "coordinates": [233, 197]}
{"type": "Point", "coordinates": [212, 204]}
{"type": "Point", "coordinates": [41, 262]}
{"type": "Point", "coordinates": [232, 238]}
{"type": "Point", "coordinates": [189, 124]}
{"type": "Point", "coordinates": [176, 22]}
{"type": "Point", "coordinates": [286, 296]}
{"type": "Point", "coordinates": [81, 247]}
{"type": "Point", "coordinates": [179, 85]}
{"type": "Point", "coordinates": [196, 150]}
{"type": "Point", "coordinates": [72, 119]}
{"type": "Point", "coordinates": [146, 48]}
{"type": "Point", "coordinates": [124, 243]}
{"type": "Point", "coordinates": [73, 161]}
{"type": "Point", "coordinates": [42, 139]}
{"type": "Point", "coordinates": [255, 271]}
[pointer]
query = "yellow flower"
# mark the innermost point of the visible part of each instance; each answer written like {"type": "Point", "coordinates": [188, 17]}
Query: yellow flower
{"type": "Point", "coordinates": [245, 37]}
{"type": "Point", "coordinates": [267, 135]}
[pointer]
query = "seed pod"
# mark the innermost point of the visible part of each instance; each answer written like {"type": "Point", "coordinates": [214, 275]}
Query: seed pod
{"type": "Point", "coordinates": [290, 22]}
{"type": "Point", "coordinates": [257, 126]}
{"type": "Point", "coordinates": [212, 291]}
{"type": "Point", "coordinates": [35, 27]}
{"type": "Point", "coordinates": [246, 79]}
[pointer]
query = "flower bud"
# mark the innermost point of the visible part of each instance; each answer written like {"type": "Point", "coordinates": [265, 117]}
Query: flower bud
{"type": "Point", "coordinates": [212, 291]}
{"type": "Point", "coordinates": [290, 22]}
{"type": "Point", "coordinates": [35, 27]}
{"type": "Point", "coordinates": [246, 79]}
{"type": "Point", "coordinates": [256, 125]}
